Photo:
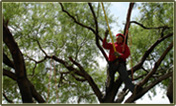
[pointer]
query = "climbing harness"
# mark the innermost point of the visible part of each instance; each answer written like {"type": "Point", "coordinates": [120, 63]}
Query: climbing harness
{"type": "Point", "coordinates": [109, 29]}
{"type": "Point", "coordinates": [49, 84]}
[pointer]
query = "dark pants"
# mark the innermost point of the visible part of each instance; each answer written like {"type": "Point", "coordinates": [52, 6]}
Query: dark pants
{"type": "Point", "coordinates": [120, 66]}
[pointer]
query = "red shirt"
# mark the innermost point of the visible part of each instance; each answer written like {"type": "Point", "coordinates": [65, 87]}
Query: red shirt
{"type": "Point", "coordinates": [118, 47]}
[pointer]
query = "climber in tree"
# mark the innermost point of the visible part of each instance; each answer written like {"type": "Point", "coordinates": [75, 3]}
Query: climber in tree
{"type": "Point", "coordinates": [117, 61]}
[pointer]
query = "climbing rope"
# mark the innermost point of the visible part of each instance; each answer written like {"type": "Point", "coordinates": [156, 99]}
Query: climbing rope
{"type": "Point", "coordinates": [131, 61]}
{"type": "Point", "coordinates": [56, 83]}
{"type": "Point", "coordinates": [126, 32]}
{"type": "Point", "coordinates": [49, 84]}
{"type": "Point", "coordinates": [109, 29]}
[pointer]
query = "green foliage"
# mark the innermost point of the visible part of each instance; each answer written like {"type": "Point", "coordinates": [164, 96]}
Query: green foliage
{"type": "Point", "coordinates": [58, 35]}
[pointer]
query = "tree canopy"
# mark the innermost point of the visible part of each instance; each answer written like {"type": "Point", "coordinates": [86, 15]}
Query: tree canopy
{"type": "Point", "coordinates": [50, 52]}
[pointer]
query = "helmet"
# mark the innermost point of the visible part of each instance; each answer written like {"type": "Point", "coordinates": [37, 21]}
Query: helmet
{"type": "Point", "coordinates": [119, 34]}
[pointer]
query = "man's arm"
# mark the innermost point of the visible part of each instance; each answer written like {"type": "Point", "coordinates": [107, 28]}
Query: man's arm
{"type": "Point", "coordinates": [105, 44]}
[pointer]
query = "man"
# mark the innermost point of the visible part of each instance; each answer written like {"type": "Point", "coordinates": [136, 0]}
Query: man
{"type": "Point", "coordinates": [118, 63]}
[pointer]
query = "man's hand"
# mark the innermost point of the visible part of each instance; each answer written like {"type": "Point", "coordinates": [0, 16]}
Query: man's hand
{"type": "Point", "coordinates": [117, 54]}
{"type": "Point", "coordinates": [106, 33]}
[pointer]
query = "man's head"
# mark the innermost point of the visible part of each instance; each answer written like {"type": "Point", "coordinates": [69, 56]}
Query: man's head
{"type": "Point", "coordinates": [120, 38]}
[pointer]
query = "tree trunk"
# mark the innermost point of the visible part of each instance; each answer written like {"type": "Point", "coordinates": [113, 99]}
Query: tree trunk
{"type": "Point", "coordinates": [25, 90]}
{"type": "Point", "coordinates": [170, 91]}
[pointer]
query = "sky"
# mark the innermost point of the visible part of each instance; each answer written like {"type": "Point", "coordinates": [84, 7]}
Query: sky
{"type": "Point", "coordinates": [120, 9]}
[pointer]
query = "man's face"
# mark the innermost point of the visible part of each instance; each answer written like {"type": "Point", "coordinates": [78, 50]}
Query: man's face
{"type": "Point", "coordinates": [119, 39]}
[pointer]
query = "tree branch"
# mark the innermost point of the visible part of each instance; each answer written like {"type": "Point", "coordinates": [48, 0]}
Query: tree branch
{"type": "Point", "coordinates": [141, 76]}
{"type": "Point", "coordinates": [36, 62]}
{"type": "Point", "coordinates": [127, 25]}
{"type": "Point", "coordinates": [19, 66]}
{"type": "Point", "coordinates": [160, 27]}
{"type": "Point", "coordinates": [89, 79]}
{"type": "Point", "coordinates": [95, 32]}
{"type": "Point", "coordinates": [157, 64]}
{"type": "Point", "coordinates": [9, 74]}
{"type": "Point", "coordinates": [41, 48]}
{"type": "Point", "coordinates": [97, 37]}
{"type": "Point", "coordinates": [7, 61]}
{"type": "Point", "coordinates": [17, 56]}
{"type": "Point", "coordinates": [78, 79]}
{"type": "Point", "coordinates": [6, 98]}
{"type": "Point", "coordinates": [35, 94]}
{"type": "Point", "coordinates": [70, 68]}
{"type": "Point", "coordinates": [74, 19]}
{"type": "Point", "coordinates": [146, 54]}
{"type": "Point", "coordinates": [161, 78]}
{"type": "Point", "coordinates": [170, 90]}
{"type": "Point", "coordinates": [134, 97]}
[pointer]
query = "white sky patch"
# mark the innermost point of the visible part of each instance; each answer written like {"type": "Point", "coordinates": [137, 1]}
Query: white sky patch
{"type": "Point", "coordinates": [102, 62]}
{"type": "Point", "coordinates": [158, 99]}
{"type": "Point", "coordinates": [119, 9]}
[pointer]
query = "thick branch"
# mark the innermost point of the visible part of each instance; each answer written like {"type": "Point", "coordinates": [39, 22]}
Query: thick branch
{"type": "Point", "coordinates": [95, 18]}
{"type": "Point", "coordinates": [159, 80]}
{"type": "Point", "coordinates": [113, 92]}
{"type": "Point", "coordinates": [127, 25]}
{"type": "Point", "coordinates": [9, 74]}
{"type": "Point", "coordinates": [97, 37]}
{"type": "Point", "coordinates": [19, 66]}
{"type": "Point", "coordinates": [17, 56]}
{"type": "Point", "coordinates": [134, 97]}
{"type": "Point", "coordinates": [35, 94]}
{"type": "Point", "coordinates": [7, 61]}
{"type": "Point", "coordinates": [170, 90]}
{"type": "Point", "coordinates": [146, 54]}
{"type": "Point", "coordinates": [149, 75]}
{"type": "Point", "coordinates": [157, 64]}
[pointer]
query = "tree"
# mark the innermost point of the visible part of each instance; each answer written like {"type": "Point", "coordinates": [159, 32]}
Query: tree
{"type": "Point", "coordinates": [50, 52]}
